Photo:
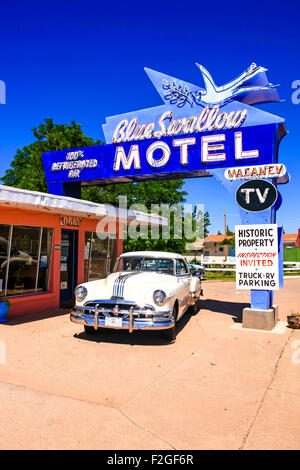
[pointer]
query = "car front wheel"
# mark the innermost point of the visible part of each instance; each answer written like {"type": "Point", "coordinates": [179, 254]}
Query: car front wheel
{"type": "Point", "coordinates": [90, 330]}
{"type": "Point", "coordinates": [170, 333]}
{"type": "Point", "coordinates": [194, 308]}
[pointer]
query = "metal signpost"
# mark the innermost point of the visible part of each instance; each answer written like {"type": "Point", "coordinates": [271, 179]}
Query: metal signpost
{"type": "Point", "coordinates": [197, 132]}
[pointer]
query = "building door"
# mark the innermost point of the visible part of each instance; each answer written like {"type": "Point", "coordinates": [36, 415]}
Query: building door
{"type": "Point", "coordinates": [68, 266]}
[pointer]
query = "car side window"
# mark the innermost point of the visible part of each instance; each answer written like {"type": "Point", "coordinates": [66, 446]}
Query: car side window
{"type": "Point", "coordinates": [181, 267]}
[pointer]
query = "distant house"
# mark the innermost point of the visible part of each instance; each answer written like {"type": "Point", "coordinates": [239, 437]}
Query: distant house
{"type": "Point", "coordinates": [291, 247]}
{"type": "Point", "coordinates": [195, 250]}
{"type": "Point", "coordinates": [290, 240]}
{"type": "Point", "coordinates": [211, 249]}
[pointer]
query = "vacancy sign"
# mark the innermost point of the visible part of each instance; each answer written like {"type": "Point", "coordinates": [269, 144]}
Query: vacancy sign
{"type": "Point", "coordinates": [275, 170]}
{"type": "Point", "coordinates": [256, 248]}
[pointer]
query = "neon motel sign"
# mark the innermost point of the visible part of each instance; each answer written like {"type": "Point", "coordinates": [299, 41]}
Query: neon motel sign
{"type": "Point", "coordinates": [212, 147]}
{"type": "Point", "coordinates": [195, 131]}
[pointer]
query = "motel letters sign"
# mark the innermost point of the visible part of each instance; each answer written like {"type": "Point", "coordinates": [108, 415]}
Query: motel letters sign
{"type": "Point", "coordinates": [184, 157]}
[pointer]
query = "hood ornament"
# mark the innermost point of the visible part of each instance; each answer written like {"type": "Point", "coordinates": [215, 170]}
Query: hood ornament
{"type": "Point", "coordinates": [115, 310]}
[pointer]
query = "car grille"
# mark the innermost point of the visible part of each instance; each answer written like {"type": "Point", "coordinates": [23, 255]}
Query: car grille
{"type": "Point", "coordinates": [123, 307]}
{"type": "Point", "coordinates": [110, 306]}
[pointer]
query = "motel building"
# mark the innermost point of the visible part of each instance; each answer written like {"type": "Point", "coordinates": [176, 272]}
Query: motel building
{"type": "Point", "coordinates": [291, 240]}
{"type": "Point", "coordinates": [49, 244]}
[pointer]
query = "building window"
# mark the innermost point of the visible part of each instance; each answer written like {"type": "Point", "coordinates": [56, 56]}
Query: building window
{"type": "Point", "coordinates": [4, 242]}
{"type": "Point", "coordinates": [25, 259]}
{"type": "Point", "coordinates": [99, 256]}
{"type": "Point", "coordinates": [221, 248]}
{"type": "Point", "coordinates": [45, 254]}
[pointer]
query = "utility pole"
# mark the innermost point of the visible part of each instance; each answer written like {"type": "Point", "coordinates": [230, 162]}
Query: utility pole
{"type": "Point", "coordinates": [225, 233]}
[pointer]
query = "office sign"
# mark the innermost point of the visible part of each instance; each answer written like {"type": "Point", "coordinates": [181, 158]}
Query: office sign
{"type": "Point", "coordinates": [70, 220]}
{"type": "Point", "coordinates": [256, 195]}
{"type": "Point", "coordinates": [257, 264]}
{"type": "Point", "coordinates": [194, 131]}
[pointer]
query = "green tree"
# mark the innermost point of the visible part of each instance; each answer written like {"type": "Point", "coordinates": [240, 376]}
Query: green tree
{"type": "Point", "coordinates": [206, 224]}
{"type": "Point", "coordinates": [26, 170]}
{"type": "Point", "coordinates": [229, 241]}
{"type": "Point", "coordinates": [146, 193]}
{"type": "Point", "coordinates": [201, 221]}
{"type": "Point", "coordinates": [161, 243]}
{"type": "Point", "coordinates": [228, 231]}
{"type": "Point", "coordinates": [156, 194]}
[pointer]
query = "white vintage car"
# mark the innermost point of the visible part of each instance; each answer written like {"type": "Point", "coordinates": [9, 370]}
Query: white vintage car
{"type": "Point", "coordinates": [148, 290]}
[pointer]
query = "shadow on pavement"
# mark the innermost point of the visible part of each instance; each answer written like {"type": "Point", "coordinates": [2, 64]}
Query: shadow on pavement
{"type": "Point", "coordinates": [235, 309]}
{"type": "Point", "coordinates": [32, 317]}
{"type": "Point", "coordinates": [137, 338]}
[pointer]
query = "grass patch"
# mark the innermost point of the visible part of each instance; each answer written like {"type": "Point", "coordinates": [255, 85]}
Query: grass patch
{"type": "Point", "coordinates": [230, 275]}
{"type": "Point", "coordinates": [224, 276]}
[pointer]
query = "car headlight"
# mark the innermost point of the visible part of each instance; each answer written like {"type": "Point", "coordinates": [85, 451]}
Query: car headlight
{"type": "Point", "coordinates": [80, 293]}
{"type": "Point", "coordinates": [159, 297]}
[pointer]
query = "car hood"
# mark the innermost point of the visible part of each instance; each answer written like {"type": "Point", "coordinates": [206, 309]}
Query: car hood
{"type": "Point", "coordinates": [126, 284]}
{"type": "Point", "coordinates": [133, 286]}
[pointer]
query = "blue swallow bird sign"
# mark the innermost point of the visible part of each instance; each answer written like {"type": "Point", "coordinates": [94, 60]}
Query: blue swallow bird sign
{"type": "Point", "coordinates": [194, 133]}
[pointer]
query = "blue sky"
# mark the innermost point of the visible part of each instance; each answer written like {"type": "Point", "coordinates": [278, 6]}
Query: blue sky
{"type": "Point", "coordinates": [84, 60]}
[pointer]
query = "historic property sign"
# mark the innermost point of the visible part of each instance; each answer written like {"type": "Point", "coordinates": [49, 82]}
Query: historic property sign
{"type": "Point", "coordinates": [257, 257]}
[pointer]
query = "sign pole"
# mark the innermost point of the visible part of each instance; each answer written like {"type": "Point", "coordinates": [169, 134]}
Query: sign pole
{"type": "Point", "coordinates": [262, 314]}
{"type": "Point", "coordinates": [263, 299]}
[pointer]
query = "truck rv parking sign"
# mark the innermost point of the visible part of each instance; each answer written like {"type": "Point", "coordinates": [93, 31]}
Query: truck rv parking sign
{"type": "Point", "coordinates": [257, 265]}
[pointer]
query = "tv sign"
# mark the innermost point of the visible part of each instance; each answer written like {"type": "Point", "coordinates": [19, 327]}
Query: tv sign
{"type": "Point", "coordinates": [256, 195]}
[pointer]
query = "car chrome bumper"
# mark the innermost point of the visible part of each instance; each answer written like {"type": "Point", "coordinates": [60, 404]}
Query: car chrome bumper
{"type": "Point", "coordinates": [130, 320]}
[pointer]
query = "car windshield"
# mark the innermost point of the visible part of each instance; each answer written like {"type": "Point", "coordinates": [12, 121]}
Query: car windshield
{"type": "Point", "coordinates": [135, 263]}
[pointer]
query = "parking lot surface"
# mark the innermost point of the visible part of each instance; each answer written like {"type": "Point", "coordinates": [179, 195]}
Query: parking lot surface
{"type": "Point", "coordinates": [217, 387]}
